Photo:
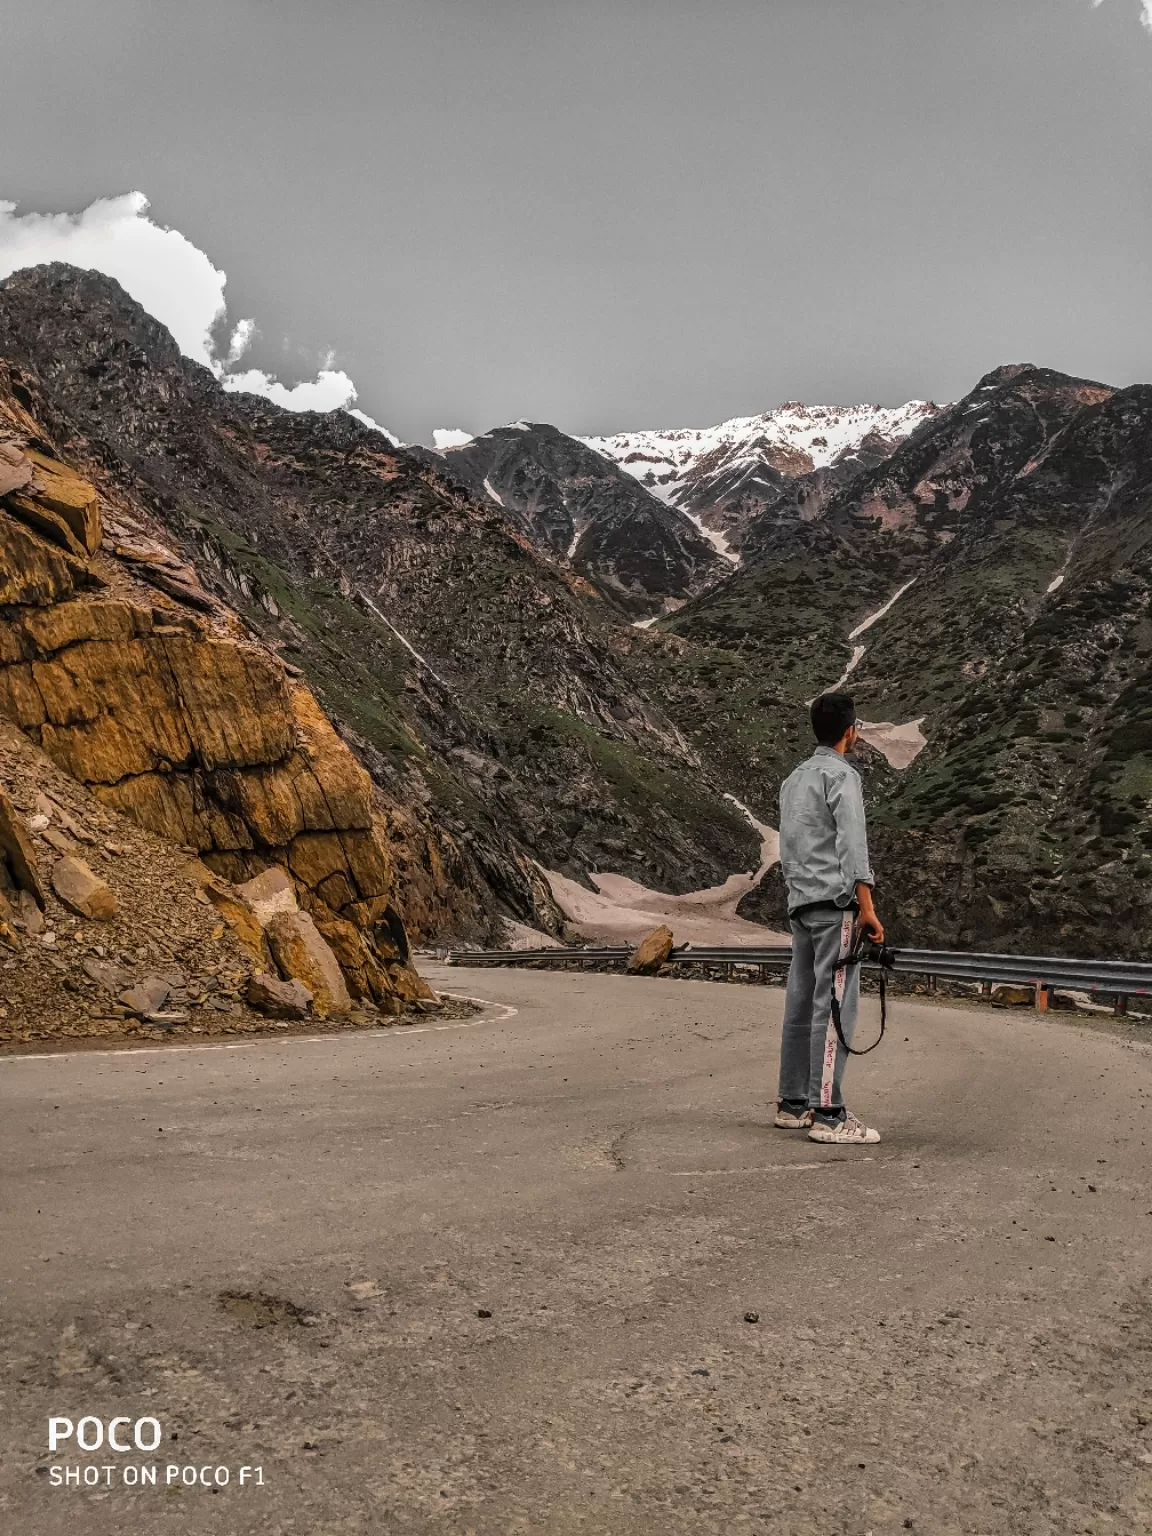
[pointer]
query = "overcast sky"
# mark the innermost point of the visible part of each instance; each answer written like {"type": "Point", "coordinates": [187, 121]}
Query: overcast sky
{"type": "Point", "coordinates": [613, 213]}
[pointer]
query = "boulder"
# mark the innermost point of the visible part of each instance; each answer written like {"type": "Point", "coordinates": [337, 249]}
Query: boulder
{"type": "Point", "coordinates": [241, 920]}
{"type": "Point", "coordinates": [17, 852]}
{"type": "Point", "coordinates": [81, 891]}
{"type": "Point", "coordinates": [147, 997]}
{"type": "Point", "coordinates": [57, 502]}
{"type": "Point", "coordinates": [15, 468]}
{"type": "Point", "coordinates": [34, 571]}
{"type": "Point", "coordinates": [279, 999]}
{"type": "Point", "coordinates": [30, 914]}
{"type": "Point", "coordinates": [106, 974]}
{"type": "Point", "coordinates": [651, 953]}
{"type": "Point", "coordinates": [268, 895]}
{"type": "Point", "coordinates": [369, 971]}
{"type": "Point", "coordinates": [302, 954]}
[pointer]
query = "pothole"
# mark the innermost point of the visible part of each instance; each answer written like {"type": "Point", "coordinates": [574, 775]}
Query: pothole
{"type": "Point", "coordinates": [259, 1309]}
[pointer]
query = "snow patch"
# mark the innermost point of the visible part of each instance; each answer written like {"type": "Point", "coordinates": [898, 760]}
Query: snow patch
{"type": "Point", "coordinates": [1055, 583]}
{"type": "Point", "coordinates": [622, 911]}
{"type": "Point", "coordinates": [404, 641]}
{"type": "Point", "coordinates": [669, 462]}
{"type": "Point", "coordinates": [493, 492]}
{"type": "Point", "coordinates": [880, 612]}
{"type": "Point", "coordinates": [857, 653]}
{"type": "Point", "coordinates": [444, 438]}
{"type": "Point", "coordinates": [900, 744]}
{"type": "Point", "coordinates": [717, 540]}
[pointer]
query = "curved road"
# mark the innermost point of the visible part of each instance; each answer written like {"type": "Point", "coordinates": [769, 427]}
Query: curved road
{"type": "Point", "coordinates": [282, 1251]}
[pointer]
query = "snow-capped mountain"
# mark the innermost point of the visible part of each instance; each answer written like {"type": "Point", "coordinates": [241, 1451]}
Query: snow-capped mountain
{"type": "Point", "coordinates": [583, 511]}
{"type": "Point", "coordinates": [726, 476]}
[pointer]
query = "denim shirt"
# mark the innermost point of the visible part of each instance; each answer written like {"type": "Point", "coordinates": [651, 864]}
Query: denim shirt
{"type": "Point", "coordinates": [823, 838]}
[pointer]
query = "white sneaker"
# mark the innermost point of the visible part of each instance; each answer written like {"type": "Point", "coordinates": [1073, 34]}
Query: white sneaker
{"type": "Point", "coordinates": [786, 1121]}
{"type": "Point", "coordinates": [849, 1132]}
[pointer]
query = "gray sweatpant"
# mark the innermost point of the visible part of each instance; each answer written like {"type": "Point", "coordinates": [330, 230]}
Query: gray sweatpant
{"type": "Point", "coordinates": [812, 1060]}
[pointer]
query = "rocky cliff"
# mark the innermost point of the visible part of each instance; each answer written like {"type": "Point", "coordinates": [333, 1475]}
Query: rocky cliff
{"type": "Point", "coordinates": [583, 511]}
{"type": "Point", "coordinates": [480, 684]}
{"type": "Point", "coordinates": [159, 706]}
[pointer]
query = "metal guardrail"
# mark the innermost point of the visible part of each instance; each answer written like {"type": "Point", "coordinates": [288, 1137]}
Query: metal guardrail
{"type": "Point", "coordinates": [1122, 978]}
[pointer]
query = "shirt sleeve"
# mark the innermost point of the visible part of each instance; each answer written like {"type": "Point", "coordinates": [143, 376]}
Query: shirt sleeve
{"type": "Point", "coordinates": [846, 802]}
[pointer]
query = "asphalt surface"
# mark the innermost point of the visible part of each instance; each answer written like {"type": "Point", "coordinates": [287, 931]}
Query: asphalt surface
{"type": "Point", "coordinates": [284, 1252]}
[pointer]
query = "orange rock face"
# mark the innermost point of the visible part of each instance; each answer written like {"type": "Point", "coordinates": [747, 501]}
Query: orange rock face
{"type": "Point", "coordinates": [197, 735]}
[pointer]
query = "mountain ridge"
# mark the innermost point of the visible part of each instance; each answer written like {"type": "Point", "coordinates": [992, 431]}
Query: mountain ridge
{"type": "Point", "coordinates": [584, 513]}
{"type": "Point", "coordinates": [520, 731]}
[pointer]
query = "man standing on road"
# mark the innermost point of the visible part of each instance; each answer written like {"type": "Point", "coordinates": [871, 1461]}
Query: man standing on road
{"type": "Point", "coordinates": [824, 859]}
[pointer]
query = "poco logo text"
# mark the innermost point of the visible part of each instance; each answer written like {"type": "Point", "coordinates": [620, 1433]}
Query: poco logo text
{"type": "Point", "coordinates": [92, 1434]}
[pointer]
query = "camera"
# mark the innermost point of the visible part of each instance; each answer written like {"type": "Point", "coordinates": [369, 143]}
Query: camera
{"type": "Point", "coordinates": [866, 951]}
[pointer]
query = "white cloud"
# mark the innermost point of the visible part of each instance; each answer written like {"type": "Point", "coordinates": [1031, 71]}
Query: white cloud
{"type": "Point", "coordinates": [1145, 13]}
{"type": "Point", "coordinates": [172, 279]}
{"type": "Point", "coordinates": [449, 437]}
{"type": "Point", "coordinates": [240, 342]}
{"type": "Point", "coordinates": [330, 390]}
{"type": "Point", "coordinates": [162, 270]}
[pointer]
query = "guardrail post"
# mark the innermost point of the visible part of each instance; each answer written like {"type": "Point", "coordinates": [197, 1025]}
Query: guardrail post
{"type": "Point", "coordinates": [1121, 1004]}
{"type": "Point", "coordinates": [1041, 997]}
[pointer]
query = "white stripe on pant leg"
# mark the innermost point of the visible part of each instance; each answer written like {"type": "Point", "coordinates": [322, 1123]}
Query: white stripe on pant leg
{"type": "Point", "coordinates": [831, 1039]}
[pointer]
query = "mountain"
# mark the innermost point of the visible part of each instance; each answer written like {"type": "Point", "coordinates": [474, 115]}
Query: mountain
{"type": "Point", "coordinates": [985, 591]}
{"type": "Point", "coordinates": [480, 683]}
{"type": "Point", "coordinates": [725, 477]}
{"type": "Point", "coordinates": [585, 513]}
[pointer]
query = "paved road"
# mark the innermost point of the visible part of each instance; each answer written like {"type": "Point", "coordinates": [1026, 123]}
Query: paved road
{"type": "Point", "coordinates": [282, 1251]}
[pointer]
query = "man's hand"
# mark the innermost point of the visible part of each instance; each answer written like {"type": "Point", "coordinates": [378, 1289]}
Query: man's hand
{"type": "Point", "coordinates": [869, 922]}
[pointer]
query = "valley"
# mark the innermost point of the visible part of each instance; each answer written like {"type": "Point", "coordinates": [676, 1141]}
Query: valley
{"type": "Point", "coordinates": [567, 665]}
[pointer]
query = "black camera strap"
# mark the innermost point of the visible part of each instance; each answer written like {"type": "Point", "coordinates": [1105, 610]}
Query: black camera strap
{"type": "Point", "coordinates": [854, 959]}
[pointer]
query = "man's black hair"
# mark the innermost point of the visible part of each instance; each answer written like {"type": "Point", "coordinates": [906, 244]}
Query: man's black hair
{"type": "Point", "coordinates": [832, 714]}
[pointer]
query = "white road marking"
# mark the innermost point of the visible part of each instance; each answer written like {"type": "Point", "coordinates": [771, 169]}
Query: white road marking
{"type": "Point", "coordinates": [394, 1030]}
